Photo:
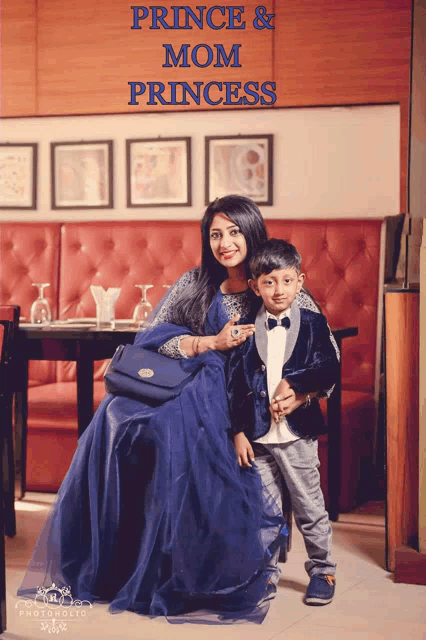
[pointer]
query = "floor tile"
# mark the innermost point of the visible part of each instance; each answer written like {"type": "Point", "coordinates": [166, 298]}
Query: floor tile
{"type": "Point", "coordinates": [368, 604]}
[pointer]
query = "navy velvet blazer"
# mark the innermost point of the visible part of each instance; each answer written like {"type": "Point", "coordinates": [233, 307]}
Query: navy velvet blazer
{"type": "Point", "coordinates": [310, 364]}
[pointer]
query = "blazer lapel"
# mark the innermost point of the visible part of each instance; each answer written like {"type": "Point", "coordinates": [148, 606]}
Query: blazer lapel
{"type": "Point", "coordinates": [292, 331]}
{"type": "Point", "coordinates": [260, 335]}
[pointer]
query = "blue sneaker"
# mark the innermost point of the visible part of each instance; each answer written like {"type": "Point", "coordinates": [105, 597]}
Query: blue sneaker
{"type": "Point", "coordinates": [320, 589]}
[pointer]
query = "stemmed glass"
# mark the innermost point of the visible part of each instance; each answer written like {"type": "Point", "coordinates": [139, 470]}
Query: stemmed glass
{"type": "Point", "coordinates": [40, 310]}
{"type": "Point", "coordinates": [143, 307]}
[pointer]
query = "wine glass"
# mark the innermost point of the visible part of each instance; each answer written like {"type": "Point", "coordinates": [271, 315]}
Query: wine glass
{"type": "Point", "coordinates": [143, 307]}
{"type": "Point", "coordinates": [40, 310]}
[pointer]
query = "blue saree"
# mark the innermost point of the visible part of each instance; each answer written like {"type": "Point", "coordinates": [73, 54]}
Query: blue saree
{"type": "Point", "coordinates": [154, 515]}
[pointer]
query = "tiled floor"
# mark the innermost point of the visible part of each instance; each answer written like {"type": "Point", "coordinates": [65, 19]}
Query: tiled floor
{"type": "Point", "coordinates": [368, 605]}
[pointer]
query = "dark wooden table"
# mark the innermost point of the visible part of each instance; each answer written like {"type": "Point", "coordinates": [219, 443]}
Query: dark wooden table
{"type": "Point", "coordinates": [85, 345]}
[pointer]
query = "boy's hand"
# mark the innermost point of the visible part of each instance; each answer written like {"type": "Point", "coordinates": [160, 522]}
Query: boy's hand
{"type": "Point", "coordinates": [285, 401]}
{"type": "Point", "coordinates": [243, 449]}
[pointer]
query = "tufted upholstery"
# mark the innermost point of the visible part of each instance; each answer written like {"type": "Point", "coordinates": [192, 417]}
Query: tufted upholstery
{"type": "Point", "coordinates": [30, 253]}
{"type": "Point", "coordinates": [121, 255]}
{"type": "Point", "coordinates": [340, 258]}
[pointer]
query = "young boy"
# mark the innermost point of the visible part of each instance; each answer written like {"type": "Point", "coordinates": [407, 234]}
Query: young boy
{"type": "Point", "coordinates": [274, 379]}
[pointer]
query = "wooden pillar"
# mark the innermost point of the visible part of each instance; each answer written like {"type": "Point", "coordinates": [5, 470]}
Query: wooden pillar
{"type": "Point", "coordinates": [402, 420]}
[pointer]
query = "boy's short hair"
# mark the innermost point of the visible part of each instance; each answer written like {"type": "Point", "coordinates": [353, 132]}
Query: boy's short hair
{"type": "Point", "coordinates": [274, 254]}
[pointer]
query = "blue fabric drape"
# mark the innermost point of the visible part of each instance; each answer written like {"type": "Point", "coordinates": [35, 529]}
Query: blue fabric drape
{"type": "Point", "coordinates": [154, 514]}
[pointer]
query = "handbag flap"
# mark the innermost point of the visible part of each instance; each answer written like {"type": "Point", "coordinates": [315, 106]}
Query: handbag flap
{"type": "Point", "coordinates": [149, 366]}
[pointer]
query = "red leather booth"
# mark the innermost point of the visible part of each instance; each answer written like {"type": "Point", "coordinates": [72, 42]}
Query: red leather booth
{"type": "Point", "coordinates": [341, 260]}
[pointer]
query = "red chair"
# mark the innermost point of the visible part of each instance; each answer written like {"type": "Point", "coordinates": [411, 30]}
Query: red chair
{"type": "Point", "coordinates": [9, 316]}
{"type": "Point", "coordinates": [7, 512]}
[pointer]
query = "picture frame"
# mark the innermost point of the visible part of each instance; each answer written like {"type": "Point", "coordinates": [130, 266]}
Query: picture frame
{"type": "Point", "coordinates": [159, 172]}
{"type": "Point", "coordinates": [82, 174]}
{"type": "Point", "coordinates": [18, 175]}
{"type": "Point", "coordinates": [242, 165]}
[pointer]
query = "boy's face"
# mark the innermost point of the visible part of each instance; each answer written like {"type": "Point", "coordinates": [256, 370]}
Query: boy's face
{"type": "Point", "coordinates": [278, 289]}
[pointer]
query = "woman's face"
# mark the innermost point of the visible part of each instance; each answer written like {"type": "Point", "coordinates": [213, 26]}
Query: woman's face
{"type": "Point", "coordinates": [227, 243]}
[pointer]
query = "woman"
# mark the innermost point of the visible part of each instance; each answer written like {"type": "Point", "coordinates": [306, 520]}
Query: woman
{"type": "Point", "coordinates": [154, 515]}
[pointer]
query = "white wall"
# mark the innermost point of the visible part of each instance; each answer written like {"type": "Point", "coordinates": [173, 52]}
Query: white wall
{"type": "Point", "coordinates": [328, 162]}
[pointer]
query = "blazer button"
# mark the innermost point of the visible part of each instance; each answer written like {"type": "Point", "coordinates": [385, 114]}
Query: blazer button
{"type": "Point", "coordinates": [263, 394]}
{"type": "Point", "coordinates": [263, 367]}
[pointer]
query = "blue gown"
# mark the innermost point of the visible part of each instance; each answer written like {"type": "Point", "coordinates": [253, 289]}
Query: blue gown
{"type": "Point", "coordinates": [154, 514]}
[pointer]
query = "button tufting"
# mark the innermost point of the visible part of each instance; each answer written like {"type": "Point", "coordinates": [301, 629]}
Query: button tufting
{"type": "Point", "coordinates": [263, 394]}
{"type": "Point", "coordinates": [8, 245]}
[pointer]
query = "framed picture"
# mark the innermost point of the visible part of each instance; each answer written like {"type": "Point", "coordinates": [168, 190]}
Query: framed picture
{"type": "Point", "coordinates": [81, 174]}
{"type": "Point", "coordinates": [240, 165]}
{"type": "Point", "coordinates": [18, 175]}
{"type": "Point", "coordinates": [159, 172]}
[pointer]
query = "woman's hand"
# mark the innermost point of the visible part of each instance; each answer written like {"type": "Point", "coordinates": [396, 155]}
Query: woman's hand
{"type": "Point", "coordinates": [194, 345]}
{"type": "Point", "coordinates": [243, 449]}
{"type": "Point", "coordinates": [286, 400]}
{"type": "Point", "coordinates": [231, 335]}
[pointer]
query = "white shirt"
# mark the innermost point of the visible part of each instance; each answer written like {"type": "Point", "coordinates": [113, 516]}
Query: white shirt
{"type": "Point", "coordinates": [279, 432]}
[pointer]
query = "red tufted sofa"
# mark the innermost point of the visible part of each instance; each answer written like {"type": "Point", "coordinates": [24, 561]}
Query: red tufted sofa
{"type": "Point", "coordinates": [342, 262]}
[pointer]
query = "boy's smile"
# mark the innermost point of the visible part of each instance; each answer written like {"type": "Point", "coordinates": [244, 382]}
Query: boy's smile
{"type": "Point", "coordinates": [278, 289]}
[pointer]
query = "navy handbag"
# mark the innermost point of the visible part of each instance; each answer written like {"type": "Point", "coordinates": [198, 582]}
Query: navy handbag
{"type": "Point", "coordinates": [145, 375]}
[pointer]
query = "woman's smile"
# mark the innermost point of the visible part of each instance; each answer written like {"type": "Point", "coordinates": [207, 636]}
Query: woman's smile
{"type": "Point", "coordinates": [227, 243]}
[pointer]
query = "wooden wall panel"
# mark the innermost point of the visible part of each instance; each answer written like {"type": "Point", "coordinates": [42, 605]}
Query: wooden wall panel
{"type": "Point", "coordinates": [18, 58]}
{"type": "Point", "coordinates": [331, 53]}
{"type": "Point", "coordinates": [344, 52]}
{"type": "Point", "coordinates": [88, 54]}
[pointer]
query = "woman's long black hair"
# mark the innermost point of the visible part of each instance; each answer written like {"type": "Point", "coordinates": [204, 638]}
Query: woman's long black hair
{"type": "Point", "coordinates": [190, 308]}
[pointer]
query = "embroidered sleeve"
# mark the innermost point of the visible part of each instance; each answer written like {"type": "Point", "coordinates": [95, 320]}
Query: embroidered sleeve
{"type": "Point", "coordinates": [172, 348]}
{"type": "Point", "coordinates": [164, 312]}
{"type": "Point", "coordinates": [304, 300]}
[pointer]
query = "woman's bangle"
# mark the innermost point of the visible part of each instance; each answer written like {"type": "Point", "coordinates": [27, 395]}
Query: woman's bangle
{"type": "Point", "coordinates": [197, 345]}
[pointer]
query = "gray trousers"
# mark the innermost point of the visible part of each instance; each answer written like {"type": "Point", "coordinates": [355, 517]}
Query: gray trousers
{"type": "Point", "coordinates": [296, 463]}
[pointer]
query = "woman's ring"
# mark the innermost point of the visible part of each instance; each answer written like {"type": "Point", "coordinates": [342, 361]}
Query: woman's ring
{"type": "Point", "coordinates": [235, 333]}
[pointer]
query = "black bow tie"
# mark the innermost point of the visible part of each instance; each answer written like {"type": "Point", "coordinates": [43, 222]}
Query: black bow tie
{"type": "Point", "coordinates": [284, 322]}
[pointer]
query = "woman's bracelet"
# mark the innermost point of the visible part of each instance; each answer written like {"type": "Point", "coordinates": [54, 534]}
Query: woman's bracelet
{"type": "Point", "coordinates": [197, 345]}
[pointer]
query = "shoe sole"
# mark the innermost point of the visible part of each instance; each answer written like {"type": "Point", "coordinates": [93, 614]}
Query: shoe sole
{"type": "Point", "coordinates": [318, 601]}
